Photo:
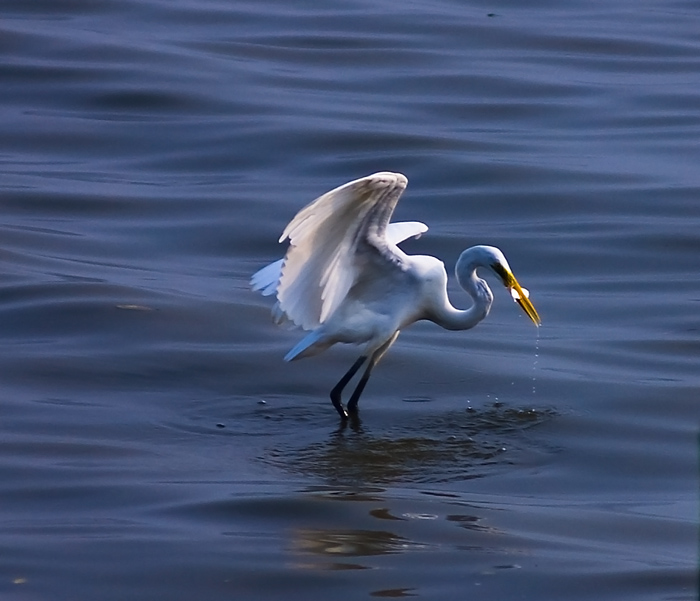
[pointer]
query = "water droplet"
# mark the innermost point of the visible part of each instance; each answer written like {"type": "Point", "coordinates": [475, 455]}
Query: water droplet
{"type": "Point", "coordinates": [535, 361]}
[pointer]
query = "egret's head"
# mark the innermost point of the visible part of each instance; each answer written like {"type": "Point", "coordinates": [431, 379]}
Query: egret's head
{"type": "Point", "coordinates": [493, 258]}
{"type": "Point", "coordinates": [520, 295]}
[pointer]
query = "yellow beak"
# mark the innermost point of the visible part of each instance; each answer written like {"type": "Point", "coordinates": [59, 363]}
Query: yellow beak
{"type": "Point", "coordinates": [520, 296]}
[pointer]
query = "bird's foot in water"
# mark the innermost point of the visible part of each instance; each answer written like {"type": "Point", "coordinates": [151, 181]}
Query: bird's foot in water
{"type": "Point", "coordinates": [352, 422]}
{"type": "Point", "coordinates": [337, 403]}
{"type": "Point", "coordinates": [351, 413]}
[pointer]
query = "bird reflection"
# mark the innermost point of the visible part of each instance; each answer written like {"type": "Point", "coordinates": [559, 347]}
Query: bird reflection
{"type": "Point", "coordinates": [317, 545]}
{"type": "Point", "coordinates": [455, 446]}
{"type": "Point", "coordinates": [350, 543]}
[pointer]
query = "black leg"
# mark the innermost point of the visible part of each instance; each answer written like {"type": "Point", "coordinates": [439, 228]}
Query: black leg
{"type": "Point", "coordinates": [338, 388]}
{"type": "Point", "coordinates": [352, 403]}
{"type": "Point", "coordinates": [374, 359]}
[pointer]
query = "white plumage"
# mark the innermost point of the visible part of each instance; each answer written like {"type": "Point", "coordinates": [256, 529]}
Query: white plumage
{"type": "Point", "coordinates": [345, 279]}
{"type": "Point", "coordinates": [320, 265]}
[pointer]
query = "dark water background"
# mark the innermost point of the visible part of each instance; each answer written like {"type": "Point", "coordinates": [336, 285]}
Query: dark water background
{"type": "Point", "coordinates": [151, 154]}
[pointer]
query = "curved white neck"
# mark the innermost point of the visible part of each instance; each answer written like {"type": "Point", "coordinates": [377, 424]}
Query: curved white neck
{"type": "Point", "coordinates": [451, 318]}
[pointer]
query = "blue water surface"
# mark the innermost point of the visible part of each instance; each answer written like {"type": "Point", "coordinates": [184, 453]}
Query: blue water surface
{"type": "Point", "coordinates": [153, 444]}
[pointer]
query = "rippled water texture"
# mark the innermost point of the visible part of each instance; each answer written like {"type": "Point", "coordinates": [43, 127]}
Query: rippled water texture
{"type": "Point", "coordinates": [153, 444]}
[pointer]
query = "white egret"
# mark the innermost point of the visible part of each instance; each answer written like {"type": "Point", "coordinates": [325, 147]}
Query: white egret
{"type": "Point", "coordinates": [344, 278]}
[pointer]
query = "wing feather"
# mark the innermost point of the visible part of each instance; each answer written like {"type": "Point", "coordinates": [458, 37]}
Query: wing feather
{"type": "Point", "coordinates": [320, 266]}
{"type": "Point", "coordinates": [397, 232]}
{"type": "Point", "coordinates": [267, 279]}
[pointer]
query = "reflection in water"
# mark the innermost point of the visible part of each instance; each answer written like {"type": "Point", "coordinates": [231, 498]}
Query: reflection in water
{"type": "Point", "coordinates": [315, 546]}
{"type": "Point", "coordinates": [470, 522]}
{"type": "Point", "coordinates": [384, 514]}
{"type": "Point", "coordinates": [453, 446]}
{"type": "Point", "coordinates": [152, 151]}
{"type": "Point", "coordinates": [394, 593]}
{"type": "Point", "coordinates": [339, 544]}
{"type": "Point", "coordinates": [351, 543]}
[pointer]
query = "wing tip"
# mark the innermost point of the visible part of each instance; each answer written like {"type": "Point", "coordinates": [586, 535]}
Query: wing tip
{"type": "Point", "coordinates": [266, 280]}
{"type": "Point", "coordinates": [397, 178]}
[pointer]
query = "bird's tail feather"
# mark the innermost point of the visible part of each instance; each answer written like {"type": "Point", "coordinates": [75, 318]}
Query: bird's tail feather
{"type": "Point", "coordinates": [307, 346]}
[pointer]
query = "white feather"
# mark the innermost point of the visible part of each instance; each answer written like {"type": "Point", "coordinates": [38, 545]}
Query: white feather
{"type": "Point", "coordinates": [267, 279]}
{"type": "Point", "coordinates": [396, 233]}
{"type": "Point", "coordinates": [345, 279]}
{"type": "Point", "coordinates": [320, 265]}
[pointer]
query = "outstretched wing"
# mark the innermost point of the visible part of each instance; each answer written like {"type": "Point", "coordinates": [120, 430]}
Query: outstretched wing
{"type": "Point", "coordinates": [267, 279]}
{"type": "Point", "coordinates": [320, 266]}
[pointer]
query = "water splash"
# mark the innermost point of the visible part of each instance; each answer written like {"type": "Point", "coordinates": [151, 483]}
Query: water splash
{"type": "Point", "coordinates": [535, 361]}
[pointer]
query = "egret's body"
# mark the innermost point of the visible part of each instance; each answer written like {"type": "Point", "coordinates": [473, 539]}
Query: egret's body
{"type": "Point", "coordinates": [345, 279]}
